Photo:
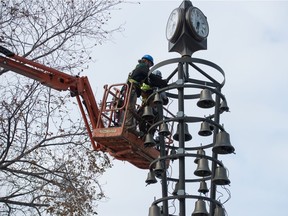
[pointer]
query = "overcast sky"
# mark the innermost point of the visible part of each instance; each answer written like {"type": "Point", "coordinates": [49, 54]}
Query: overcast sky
{"type": "Point", "coordinates": [249, 41]}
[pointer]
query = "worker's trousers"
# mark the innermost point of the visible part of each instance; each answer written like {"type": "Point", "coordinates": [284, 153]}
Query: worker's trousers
{"type": "Point", "coordinates": [130, 120]}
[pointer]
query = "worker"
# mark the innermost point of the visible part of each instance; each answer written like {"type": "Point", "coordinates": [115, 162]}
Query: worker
{"type": "Point", "coordinates": [135, 79]}
{"type": "Point", "coordinates": [148, 88]}
{"type": "Point", "coordinates": [153, 83]}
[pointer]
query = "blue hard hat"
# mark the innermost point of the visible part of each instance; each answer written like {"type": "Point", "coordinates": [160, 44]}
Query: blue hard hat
{"type": "Point", "coordinates": [149, 58]}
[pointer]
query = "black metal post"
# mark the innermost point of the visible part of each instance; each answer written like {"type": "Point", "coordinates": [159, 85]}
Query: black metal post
{"type": "Point", "coordinates": [181, 148]}
{"type": "Point", "coordinates": [163, 162]}
{"type": "Point", "coordinates": [213, 187]}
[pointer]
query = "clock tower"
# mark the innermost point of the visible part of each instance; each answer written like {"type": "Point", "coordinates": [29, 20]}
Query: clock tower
{"type": "Point", "coordinates": [192, 80]}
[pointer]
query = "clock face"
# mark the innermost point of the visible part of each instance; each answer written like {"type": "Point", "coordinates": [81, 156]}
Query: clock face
{"type": "Point", "coordinates": [174, 25]}
{"type": "Point", "coordinates": [198, 23]}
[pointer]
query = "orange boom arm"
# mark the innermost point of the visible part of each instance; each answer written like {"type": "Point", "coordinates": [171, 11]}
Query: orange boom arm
{"type": "Point", "coordinates": [111, 137]}
{"type": "Point", "coordinates": [78, 86]}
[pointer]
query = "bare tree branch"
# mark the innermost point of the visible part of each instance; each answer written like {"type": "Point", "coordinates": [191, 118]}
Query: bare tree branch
{"type": "Point", "coordinates": [46, 163]}
{"type": "Point", "coordinates": [61, 33]}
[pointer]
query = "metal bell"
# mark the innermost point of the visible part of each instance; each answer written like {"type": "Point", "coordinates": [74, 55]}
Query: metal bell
{"type": "Point", "coordinates": [148, 113]}
{"type": "Point", "coordinates": [154, 210]}
{"type": "Point", "coordinates": [199, 152]}
{"type": "Point", "coordinates": [200, 208]}
{"type": "Point", "coordinates": [222, 144]}
{"type": "Point", "coordinates": [163, 129]}
{"type": "Point", "coordinates": [149, 141]}
{"type": "Point", "coordinates": [187, 135]}
{"type": "Point", "coordinates": [219, 211]}
{"type": "Point", "coordinates": [223, 106]}
{"type": "Point", "coordinates": [220, 177]}
{"type": "Point", "coordinates": [202, 168]}
{"type": "Point", "coordinates": [203, 187]}
{"type": "Point", "coordinates": [157, 99]}
{"type": "Point", "coordinates": [151, 178]}
{"type": "Point", "coordinates": [205, 129]}
{"type": "Point", "coordinates": [158, 170]}
{"type": "Point", "coordinates": [206, 100]}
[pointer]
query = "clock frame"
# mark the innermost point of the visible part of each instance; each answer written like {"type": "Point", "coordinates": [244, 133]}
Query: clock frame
{"type": "Point", "coordinates": [174, 25]}
{"type": "Point", "coordinates": [197, 23]}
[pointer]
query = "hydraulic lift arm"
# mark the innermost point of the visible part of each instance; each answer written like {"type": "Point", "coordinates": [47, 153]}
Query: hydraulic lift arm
{"type": "Point", "coordinates": [78, 86]}
{"type": "Point", "coordinates": [112, 137]}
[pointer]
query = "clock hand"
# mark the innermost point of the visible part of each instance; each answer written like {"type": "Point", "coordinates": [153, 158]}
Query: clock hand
{"type": "Point", "coordinates": [198, 26]}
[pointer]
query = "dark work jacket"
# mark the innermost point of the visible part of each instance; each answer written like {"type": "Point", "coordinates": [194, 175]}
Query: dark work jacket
{"type": "Point", "coordinates": [138, 76]}
{"type": "Point", "coordinates": [140, 73]}
{"type": "Point", "coordinates": [156, 81]}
